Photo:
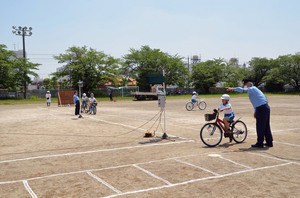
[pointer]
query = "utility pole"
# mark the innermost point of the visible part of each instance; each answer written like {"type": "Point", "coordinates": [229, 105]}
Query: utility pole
{"type": "Point", "coordinates": [23, 31]}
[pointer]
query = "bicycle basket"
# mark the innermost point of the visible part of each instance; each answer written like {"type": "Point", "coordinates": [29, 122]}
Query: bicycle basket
{"type": "Point", "coordinates": [209, 117]}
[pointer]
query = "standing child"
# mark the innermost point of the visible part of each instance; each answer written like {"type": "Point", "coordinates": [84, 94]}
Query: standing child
{"type": "Point", "coordinates": [48, 98]}
{"type": "Point", "coordinates": [228, 114]}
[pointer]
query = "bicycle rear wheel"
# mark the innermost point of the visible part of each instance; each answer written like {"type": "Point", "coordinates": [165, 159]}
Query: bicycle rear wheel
{"type": "Point", "coordinates": [239, 131]}
{"type": "Point", "coordinates": [189, 106]}
{"type": "Point", "coordinates": [211, 134]}
{"type": "Point", "coordinates": [202, 105]}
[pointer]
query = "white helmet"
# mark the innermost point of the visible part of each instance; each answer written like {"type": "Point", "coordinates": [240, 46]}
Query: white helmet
{"type": "Point", "coordinates": [194, 92]}
{"type": "Point", "coordinates": [84, 94]}
{"type": "Point", "coordinates": [225, 97]}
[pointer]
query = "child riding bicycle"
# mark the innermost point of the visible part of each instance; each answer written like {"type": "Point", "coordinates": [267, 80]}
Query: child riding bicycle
{"type": "Point", "coordinates": [228, 113]}
{"type": "Point", "coordinates": [93, 102]}
{"type": "Point", "coordinates": [194, 98]}
{"type": "Point", "coordinates": [84, 101]}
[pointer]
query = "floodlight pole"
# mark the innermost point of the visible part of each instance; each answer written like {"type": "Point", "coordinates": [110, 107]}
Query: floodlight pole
{"type": "Point", "coordinates": [165, 136]}
{"type": "Point", "coordinates": [23, 31]}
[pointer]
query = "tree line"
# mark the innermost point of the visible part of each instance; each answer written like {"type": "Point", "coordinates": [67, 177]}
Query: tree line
{"type": "Point", "coordinates": [96, 68]}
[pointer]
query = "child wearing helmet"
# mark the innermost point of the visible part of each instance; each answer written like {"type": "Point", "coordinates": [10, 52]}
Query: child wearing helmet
{"type": "Point", "coordinates": [228, 112]}
{"type": "Point", "coordinates": [194, 97]}
{"type": "Point", "coordinates": [84, 99]}
{"type": "Point", "coordinates": [93, 101]}
{"type": "Point", "coordinates": [48, 97]}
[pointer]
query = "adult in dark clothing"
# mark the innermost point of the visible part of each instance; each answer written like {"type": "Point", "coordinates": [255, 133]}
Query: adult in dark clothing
{"type": "Point", "coordinates": [110, 94]}
{"type": "Point", "coordinates": [77, 104]}
{"type": "Point", "coordinates": [261, 112]}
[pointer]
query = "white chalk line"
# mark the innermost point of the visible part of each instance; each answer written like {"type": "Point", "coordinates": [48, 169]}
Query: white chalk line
{"type": "Point", "coordinates": [274, 158]}
{"type": "Point", "coordinates": [193, 165]}
{"type": "Point", "coordinates": [30, 191]}
{"type": "Point", "coordinates": [100, 169]}
{"type": "Point", "coordinates": [285, 143]}
{"type": "Point", "coordinates": [151, 174]}
{"type": "Point", "coordinates": [248, 167]}
{"type": "Point", "coordinates": [103, 182]}
{"type": "Point", "coordinates": [197, 180]}
{"type": "Point", "coordinates": [95, 151]}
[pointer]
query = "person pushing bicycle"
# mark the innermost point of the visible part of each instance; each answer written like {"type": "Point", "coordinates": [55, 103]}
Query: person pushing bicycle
{"type": "Point", "coordinates": [228, 113]}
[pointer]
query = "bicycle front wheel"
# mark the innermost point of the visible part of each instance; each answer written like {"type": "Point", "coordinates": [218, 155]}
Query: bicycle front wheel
{"type": "Point", "coordinates": [239, 131]}
{"type": "Point", "coordinates": [202, 105]}
{"type": "Point", "coordinates": [211, 134]}
{"type": "Point", "coordinates": [95, 110]}
{"type": "Point", "coordinates": [189, 106]}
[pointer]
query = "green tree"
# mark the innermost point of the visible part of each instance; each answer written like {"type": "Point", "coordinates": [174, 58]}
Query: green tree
{"type": "Point", "coordinates": [138, 63]}
{"type": "Point", "coordinates": [259, 69]}
{"type": "Point", "coordinates": [88, 65]}
{"type": "Point", "coordinates": [14, 72]}
{"type": "Point", "coordinates": [54, 82]}
{"type": "Point", "coordinates": [290, 69]}
{"type": "Point", "coordinates": [207, 74]}
{"type": "Point", "coordinates": [234, 75]}
{"type": "Point", "coordinates": [46, 83]}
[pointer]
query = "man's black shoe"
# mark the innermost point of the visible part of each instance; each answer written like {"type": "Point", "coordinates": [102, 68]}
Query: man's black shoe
{"type": "Point", "coordinates": [80, 116]}
{"type": "Point", "coordinates": [269, 145]}
{"type": "Point", "coordinates": [257, 146]}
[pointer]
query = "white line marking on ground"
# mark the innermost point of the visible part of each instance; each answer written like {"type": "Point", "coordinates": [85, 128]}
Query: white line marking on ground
{"type": "Point", "coordinates": [283, 130]}
{"type": "Point", "coordinates": [103, 182]}
{"type": "Point", "coordinates": [274, 158]}
{"type": "Point", "coordinates": [133, 127]}
{"type": "Point", "coordinates": [235, 162]}
{"type": "Point", "coordinates": [91, 170]}
{"type": "Point", "coordinates": [151, 174]}
{"type": "Point", "coordinates": [33, 195]}
{"type": "Point", "coordinates": [285, 143]}
{"type": "Point", "coordinates": [95, 151]}
{"type": "Point", "coordinates": [196, 180]}
{"type": "Point", "coordinates": [187, 163]}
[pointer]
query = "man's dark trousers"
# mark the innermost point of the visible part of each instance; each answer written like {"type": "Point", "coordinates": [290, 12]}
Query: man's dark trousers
{"type": "Point", "coordinates": [77, 107]}
{"type": "Point", "coordinates": [263, 129]}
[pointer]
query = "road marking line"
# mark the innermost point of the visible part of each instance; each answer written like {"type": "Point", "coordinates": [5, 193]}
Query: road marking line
{"type": "Point", "coordinates": [197, 180]}
{"type": "Point", "coordinates": [33, 195]}
{"type": "Point", "coordinates": [151, 174]}
{"type": "Point", "coordinates": [103, 182]}
{"type": "Point", "coordinates": [204, 169]}
{"type": "Point", "coordinates": [235, 162]}
{"type": "Point", "coordinates": [95, 151]}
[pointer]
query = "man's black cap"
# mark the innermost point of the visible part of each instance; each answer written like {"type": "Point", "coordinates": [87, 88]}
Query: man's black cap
{"type": "Point", "coordinates": [244, 81]}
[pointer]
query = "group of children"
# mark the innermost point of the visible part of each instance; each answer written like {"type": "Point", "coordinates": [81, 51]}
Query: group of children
{"type": "Point", "coordinates": [85, 99]}
{"type": "Point", "coordinates": [226, 107]}
{"type": "Point", "coordinates": [92, 100]}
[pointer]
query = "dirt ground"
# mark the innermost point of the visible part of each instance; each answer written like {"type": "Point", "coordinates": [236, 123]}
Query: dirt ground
{"type": "Point", "coordinates": [49, 152]}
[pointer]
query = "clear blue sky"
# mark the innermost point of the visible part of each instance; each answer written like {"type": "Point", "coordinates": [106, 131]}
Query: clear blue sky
{"type": "Point", "coordinates": [211, 28]}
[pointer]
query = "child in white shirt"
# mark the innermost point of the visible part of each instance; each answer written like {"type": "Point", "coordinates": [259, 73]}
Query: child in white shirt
{"type": "Point", "coordinates": [228, 112]}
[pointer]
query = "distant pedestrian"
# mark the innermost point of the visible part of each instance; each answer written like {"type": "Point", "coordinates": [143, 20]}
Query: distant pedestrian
{"type": "Point", "coordinates": [110, 94]}
{"type": "Point", "coordinates": [77, 103]}
{"type": "Point", "coordinates": [48, 98]}
{"type": "Point", "coordinates": [261, 112]}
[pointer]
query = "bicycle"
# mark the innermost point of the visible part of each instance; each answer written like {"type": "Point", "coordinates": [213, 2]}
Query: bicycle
{"type": "Point", "coordinates": [85, 108]}
{"type": "Point", "coordinates": [190, 105]}
{"type": "Point", "coordinates": [211, 133]}
{"type": "Point", "coordinates": [93, 108]}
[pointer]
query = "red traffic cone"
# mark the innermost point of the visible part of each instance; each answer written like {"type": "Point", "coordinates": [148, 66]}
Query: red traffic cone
{"type": "Point", "coordinates": [115, 99]}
